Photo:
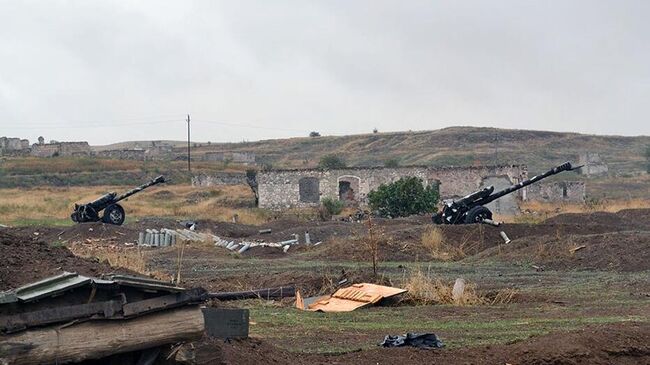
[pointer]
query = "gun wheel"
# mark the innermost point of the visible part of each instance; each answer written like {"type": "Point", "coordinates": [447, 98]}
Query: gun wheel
{"type": "Point", "coordinates": [114, 214]}
{"type": "Point", "coordinates": [477, 214]}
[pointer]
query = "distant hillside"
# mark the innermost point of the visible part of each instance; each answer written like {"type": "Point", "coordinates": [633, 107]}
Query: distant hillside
{"type": "Point", "coordinates": [450, 146]}
{"type": "Point", "coordinates": [138, 144]}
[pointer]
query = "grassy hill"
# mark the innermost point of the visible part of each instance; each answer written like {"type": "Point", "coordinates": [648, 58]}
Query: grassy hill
{"type": "Point", "coordinates": [450, 146]}
{"type": "Point", "coordinates": [460, 146]}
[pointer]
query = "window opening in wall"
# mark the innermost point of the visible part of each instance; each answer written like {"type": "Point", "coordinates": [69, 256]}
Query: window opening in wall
{"type": "Point", "coordinates": [309, 189]}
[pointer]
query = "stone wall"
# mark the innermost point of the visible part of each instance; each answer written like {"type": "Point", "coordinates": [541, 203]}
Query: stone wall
{"type": "Point", "coordinates": [66, 149]}
{"type": "Point", "coordinates": [126, 154]}
{"type": "Point", "coordinates": [160, 152]}
{"type": "Point", "coordinates": [281, 189]}
{"type": "Point", "coordinates": [235, 157]}
{"type": "Point", "coordinates": [593, 164]}
{"type": "Point", "coordinates": [556, 191]}
{"type": "Point", "coordinates": [219, 178]}
{"type": "Point", "coordinates": [13, 146]}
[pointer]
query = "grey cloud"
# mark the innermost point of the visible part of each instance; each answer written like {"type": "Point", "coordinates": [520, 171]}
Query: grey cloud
{"type": "Point", "coordinates": [333, 66]}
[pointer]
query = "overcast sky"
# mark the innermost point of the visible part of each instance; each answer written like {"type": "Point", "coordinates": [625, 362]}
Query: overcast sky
{"type": "Point", "coordinates": [109, 71]}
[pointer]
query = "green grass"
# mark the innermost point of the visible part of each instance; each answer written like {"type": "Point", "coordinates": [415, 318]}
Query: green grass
{"type": "Point", "coordinates": [289, 325]}
{"type": "Point", "coordinates": [555, 300]}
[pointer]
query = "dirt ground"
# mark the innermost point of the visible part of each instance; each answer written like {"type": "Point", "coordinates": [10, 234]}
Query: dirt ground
{"type": "Point", "coordinates": [626, 343]}
{"type": "Point", "coordinates": [581, 286]}
{"type": "Point", "coordinates": [28, 258]}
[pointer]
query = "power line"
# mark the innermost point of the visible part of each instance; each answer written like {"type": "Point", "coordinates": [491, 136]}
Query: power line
{"type": "Point", "coordinates": [189, 169]}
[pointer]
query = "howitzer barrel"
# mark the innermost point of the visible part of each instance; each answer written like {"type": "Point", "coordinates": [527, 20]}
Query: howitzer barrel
{"type": "Point", "coordinates": [476, 195]}
{"type": "Point", "coordinates": [556, 170]}
{"type": "Point", "coordinates": [158, 180]}
{"type": "Point", "coordinates": [103, 201]}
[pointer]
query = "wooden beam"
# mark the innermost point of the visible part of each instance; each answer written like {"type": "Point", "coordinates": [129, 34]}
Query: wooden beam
{"type": "Point", "coordinates": [98, 339]}
{"type": "Point", "coordinates": [16, 322]}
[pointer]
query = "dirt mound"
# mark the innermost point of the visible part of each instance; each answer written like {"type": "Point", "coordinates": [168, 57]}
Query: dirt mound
{"type": "Point", "coordinates": [622, 343]}
{"type": "Point", "coordinates": [624, 219]}
{"type": "Point", "coordinates": [82, 232]}
{"type": "Point", "coordinates": [620, 251]}
{"type": "Point", "coordinates": [107, 233]}
{"type": "Point", "coordinates": [318, 231]}
{"type": "Point", "coordinates": [228, 230]}
{"type": "Point", "coordinates": [405, 238]}
{"type": "Point", "coordinates": [26, 259]}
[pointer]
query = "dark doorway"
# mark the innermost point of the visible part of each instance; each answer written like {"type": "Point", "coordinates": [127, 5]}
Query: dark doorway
{"type": "Point", "coordinates": [309, 189]}
{"type": "Point", "coordinates": [346, 192]}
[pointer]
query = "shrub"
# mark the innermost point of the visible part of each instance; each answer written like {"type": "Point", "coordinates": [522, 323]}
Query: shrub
{"type": "Point", "coordinates": [333, 207]}
{"type": "Point", "coordinates": [404, 197]}
{"type": "Point", "coordinates": [329, 162]}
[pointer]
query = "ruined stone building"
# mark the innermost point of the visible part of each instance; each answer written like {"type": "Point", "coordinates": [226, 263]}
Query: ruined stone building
{"type": "Point", "coordinates": [554, 191]}
{"type": "Point", "coordinates": [593, 164]}
{"type": "Point", "coordinates": [64, 149]}
{"type": "Point", "coordinates": [159, 152]}
{"type": "Point", "coordinates": [219, 178]}
{"type": "Point", "coordinates": [244, 158]}
{"type": "Point", "coordinates": [13, 146]}
{"type": "Point", "coordinates": [281, 189]}
{"type": "Point", "coordinates": [137, 154]}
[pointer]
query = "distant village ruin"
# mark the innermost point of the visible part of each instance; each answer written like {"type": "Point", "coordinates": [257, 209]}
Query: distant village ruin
{"type": "Point", "coordinates": [21, 147]}
{"type": "Point", "coordinates": [146, 151]}
{"type": "Point", "coordinates": [283, 189]}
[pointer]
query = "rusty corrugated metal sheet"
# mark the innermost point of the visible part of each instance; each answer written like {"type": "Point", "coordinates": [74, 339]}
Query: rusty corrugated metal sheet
{"type": "Point", "coordinates": [348, 299]}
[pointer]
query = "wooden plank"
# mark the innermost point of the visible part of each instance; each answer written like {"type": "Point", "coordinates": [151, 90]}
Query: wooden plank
{"type": "Point", "coordinates": [195, 295]}
{"type": "Point", "coordinates": [17, 322]}
{"type": "Point", "coordinates": [98, 339]}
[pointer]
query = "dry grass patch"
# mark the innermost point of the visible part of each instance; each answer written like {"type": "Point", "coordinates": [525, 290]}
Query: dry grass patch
{"type": "Point", "coordinates": [433, 239]}
{"type": "Point", "coordinates": [17, 205]}
{"type": "Point", "coordinates": [425, 290]}
{"type": "Point", "coordinates": [127, 258]}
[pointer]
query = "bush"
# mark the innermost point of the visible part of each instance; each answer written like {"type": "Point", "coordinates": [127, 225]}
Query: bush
{"type": "Point", "coordinates": [314, 134]}
{"type": "Point", "coordinates": [333, 207]}
{"type": "Point", "coordinates": [329, 162]}
{"type": "Point", "coordinates": [404, 197]}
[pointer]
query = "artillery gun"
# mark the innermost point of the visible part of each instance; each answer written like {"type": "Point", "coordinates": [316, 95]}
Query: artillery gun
{"type": "Point", "coordinates": [471, 209]}
{"type": "Point", "coordinates": [113, 212]}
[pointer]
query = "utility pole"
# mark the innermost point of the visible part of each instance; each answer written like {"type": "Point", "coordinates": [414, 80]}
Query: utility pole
{"type": "Point", "coordinates": [189, 168]}
{"type": "Point", "coordinates": [496, 149]}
